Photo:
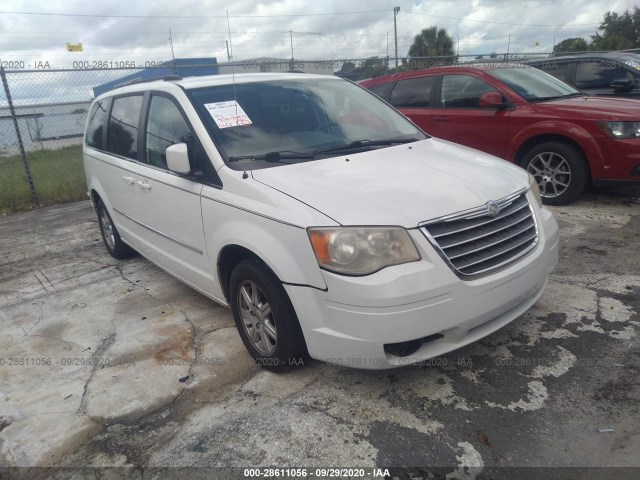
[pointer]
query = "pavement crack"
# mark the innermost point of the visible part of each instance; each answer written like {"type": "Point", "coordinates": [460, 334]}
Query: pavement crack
{"type": "Point", "coordinates": [27, 333]}
{"type": "Point", "coordinates": [131, 282]}
{"type": "Point", "coordinates": [325, 411]}
{"type": "Point", "coordinates": [66, 279]}
{"type": "Point", "coordinates": [47, 278]}
{"type": "Point", "coordinates": [195, 344]}
{"type": "Point", "coordinates": [69, 342]}
{"type": "Point", "coordinates": [41, 284]}
{"type": "Point", "coordinates": [102, 348]}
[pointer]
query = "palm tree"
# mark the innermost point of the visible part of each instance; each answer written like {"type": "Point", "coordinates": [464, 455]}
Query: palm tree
{"type": "Point", "coordinates": [432, 42]}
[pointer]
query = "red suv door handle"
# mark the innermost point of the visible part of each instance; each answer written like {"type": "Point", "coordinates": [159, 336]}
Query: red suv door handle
{"type": "Point", "coordinates": [442, 119]}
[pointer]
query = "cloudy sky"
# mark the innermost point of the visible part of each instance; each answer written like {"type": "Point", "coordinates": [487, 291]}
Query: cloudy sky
{"type": "Point", "coordinates": [116, 30]}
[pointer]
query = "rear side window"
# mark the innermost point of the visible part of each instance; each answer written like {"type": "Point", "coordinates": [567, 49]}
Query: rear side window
{"type": "Point", "coordinates": [599, 73]}
{"type": "Point", "coordinates": [413, 93]}
{"type": "Point", "coordinates": [166, 127]}
{"type": "Point", "coordinates": [122, 133]}
{"type": "Point", "coordinates": [95, 127]}
{"type": "Point", "coordinates": [558, 70]}
{"type": "Point", "coordinates": [382, 90]}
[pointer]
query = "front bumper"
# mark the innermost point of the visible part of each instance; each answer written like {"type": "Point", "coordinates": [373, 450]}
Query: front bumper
{"type": "Point", "coordinates": [621, 162]}
{"type": "Point", "coordinates": [350, 323]}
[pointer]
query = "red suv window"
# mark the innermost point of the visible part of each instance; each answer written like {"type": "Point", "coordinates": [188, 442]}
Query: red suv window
{"type": "Point", "coordinates": [412, 93]}
{"type": "Point", "coordinates": [463, 91]}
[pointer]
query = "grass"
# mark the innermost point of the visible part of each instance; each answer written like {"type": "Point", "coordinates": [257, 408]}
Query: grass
{"type": "Point", "coordinates": [58, 176]}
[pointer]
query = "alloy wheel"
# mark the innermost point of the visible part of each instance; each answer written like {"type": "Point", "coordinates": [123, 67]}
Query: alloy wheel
{"type": "Point", "coordinates": [552, 172]}
{"type": "Point", "coordinates": [107, 229]}
{"type": "Point", "coordinates": [257, 318]}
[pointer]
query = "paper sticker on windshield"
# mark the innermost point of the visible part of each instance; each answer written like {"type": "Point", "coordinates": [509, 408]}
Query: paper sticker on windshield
{"type": "Point", "coordinates": [228, 114]}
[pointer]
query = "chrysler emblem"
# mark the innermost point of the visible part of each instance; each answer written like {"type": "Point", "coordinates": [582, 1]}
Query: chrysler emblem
{"type": "Point", "coordinates": [493, 208]}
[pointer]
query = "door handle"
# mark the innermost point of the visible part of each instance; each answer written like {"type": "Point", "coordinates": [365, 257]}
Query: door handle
{"type": "Point", "coordinates": [143, 185]}
{"type": "Point", "coordinates": [129, 180]}
{"type": "Point", "coordinates": [442, 119]}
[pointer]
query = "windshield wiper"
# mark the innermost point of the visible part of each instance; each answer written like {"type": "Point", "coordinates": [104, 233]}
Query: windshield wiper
{"type": "Point", "coordinates": [279, 156]}
{"type": "Point", "coordinates": [274, 157]}
{"type": "Point", "coordinates": [557, 97]}
{"type": "Point", "coordinates": [358, 144]}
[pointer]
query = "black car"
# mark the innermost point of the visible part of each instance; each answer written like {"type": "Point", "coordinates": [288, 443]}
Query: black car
{"type": "Point", "coordinates": [611, 74]}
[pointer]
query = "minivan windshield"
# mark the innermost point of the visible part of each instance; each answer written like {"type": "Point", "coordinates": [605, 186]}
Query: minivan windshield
{"type": "Point", "coordinates": [267, 123]}
{"type": "Point", "coordinates": [532, 84]}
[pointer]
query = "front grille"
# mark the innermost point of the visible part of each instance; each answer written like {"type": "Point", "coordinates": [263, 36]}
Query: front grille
{"type": "Point", "coordinates": [475, 242]}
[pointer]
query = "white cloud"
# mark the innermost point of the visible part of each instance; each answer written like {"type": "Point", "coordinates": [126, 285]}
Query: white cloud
{"type": "Point", "coordinates": [356, 35]}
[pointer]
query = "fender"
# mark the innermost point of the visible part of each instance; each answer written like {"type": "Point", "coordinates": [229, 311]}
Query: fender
{"type": "Point", "coordinates": [285, 249]}
{"type": "Point", "coordinates": [560, 128]}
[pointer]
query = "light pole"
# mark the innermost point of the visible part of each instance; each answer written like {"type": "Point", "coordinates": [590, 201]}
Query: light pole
{"type": "Point", "coordinates": [395, 32]}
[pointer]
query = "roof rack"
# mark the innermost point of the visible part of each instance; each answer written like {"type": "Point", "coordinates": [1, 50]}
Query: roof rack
{"type": "Point", "coordinates": [135, 81]}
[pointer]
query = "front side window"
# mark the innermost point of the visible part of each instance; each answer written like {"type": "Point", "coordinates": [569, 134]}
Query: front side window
{"type": "Point", "coordinates": [166, 126]}
{"type": "Point", "coordinates": [270, 123]}
{"type": "Point", "coordinates": [463, 91]}
{"type": "Point", "coordinates": [412, 93]}
{"type": "Point", "coordinates": [95, 125]}
{"type": "Point", "coordinates": [122, 133]}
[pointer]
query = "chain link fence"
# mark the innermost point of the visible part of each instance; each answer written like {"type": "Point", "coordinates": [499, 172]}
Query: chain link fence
{"type": "Point", "coordinates": [43, 113]}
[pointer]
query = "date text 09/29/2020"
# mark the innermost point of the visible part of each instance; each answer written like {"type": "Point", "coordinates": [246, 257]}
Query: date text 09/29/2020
{"type": "Point", "coordinates": [316, 472]}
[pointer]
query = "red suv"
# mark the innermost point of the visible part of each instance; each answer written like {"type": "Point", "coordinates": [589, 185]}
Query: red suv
{"type": "Point", "coordinates": [564, 138]}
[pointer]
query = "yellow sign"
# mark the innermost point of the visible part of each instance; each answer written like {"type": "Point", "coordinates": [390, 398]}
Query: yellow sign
{"type": "Point", "coordinates": [74, 47]}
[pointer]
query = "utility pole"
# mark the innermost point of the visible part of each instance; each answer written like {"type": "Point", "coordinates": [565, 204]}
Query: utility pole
{"type": "Point", "coordinates": [291, 40]}
{"type": "Point", "coordinates": [173, 57]}
{"type": "Point", "coordinates": [228, 54]}
{"type": "Point", "coordinates": [395, 31]}
{"type": "Point", "coordinates": [508, 47]}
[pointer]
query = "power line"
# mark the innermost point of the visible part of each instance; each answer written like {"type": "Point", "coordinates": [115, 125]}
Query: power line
{"type": "Point", "coordinates": [505, 23]}
{"type": "Point", "coordinates": [95, 15]}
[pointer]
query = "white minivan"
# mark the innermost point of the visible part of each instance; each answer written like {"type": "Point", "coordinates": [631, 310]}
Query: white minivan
{"type": "Point", "coordinates": [330, 224]}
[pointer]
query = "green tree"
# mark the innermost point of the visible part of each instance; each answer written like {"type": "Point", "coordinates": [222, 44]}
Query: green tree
{"type": "Point", "coordinates": [360, 70]}
{"type": "Point", "coordinates": [433, 42]}
{"type": "Point", "coordinates": [618, 31]}
{"type": "Point", "coordinates": [375, 66]}
{"type": "Point", "coordinates": [576, 44]}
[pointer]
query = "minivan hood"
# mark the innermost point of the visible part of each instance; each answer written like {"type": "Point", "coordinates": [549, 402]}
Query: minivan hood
{"type": "Point", "coordinates": [401, 185]}
{"type": "Point", "coordinates": [599, 108]}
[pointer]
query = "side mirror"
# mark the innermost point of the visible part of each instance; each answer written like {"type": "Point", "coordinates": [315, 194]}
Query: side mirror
{"type": "Point", "coordinates": [178, 158]}
{"type": "Point", "coordinates": [621, 85]}
{"type": "Point", "coordinates": [492, 100]}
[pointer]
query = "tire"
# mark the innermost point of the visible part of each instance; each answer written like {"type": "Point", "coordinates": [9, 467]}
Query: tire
{"type": "Point", "coordinates": [560, 170]}
{"type": "Point", "coordinates": [110, 236]}
{"type": "Point", "coordinates": [273, 338]}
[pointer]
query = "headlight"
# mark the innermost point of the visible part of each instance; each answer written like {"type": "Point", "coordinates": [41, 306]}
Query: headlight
{"type": "Point", "coordinates": [535, 189]}
{"type": "Point", "coordinates": [361, 250]}
{"type": "Point", "coordinates": [620, 129]}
